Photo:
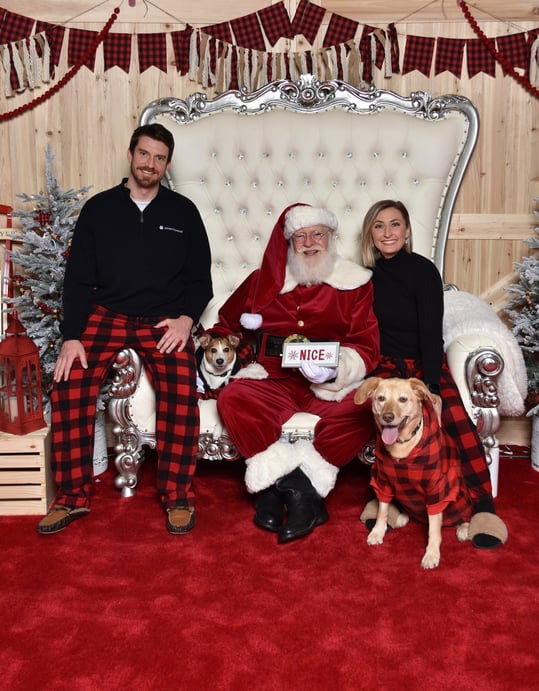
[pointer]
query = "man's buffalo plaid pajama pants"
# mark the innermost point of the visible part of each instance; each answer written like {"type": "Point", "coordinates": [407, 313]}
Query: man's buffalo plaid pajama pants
{"type": "Point", "coordinates": [173, 377]}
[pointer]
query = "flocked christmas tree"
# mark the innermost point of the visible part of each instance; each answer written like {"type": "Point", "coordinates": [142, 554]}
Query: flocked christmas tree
{"type": "Point", "coordinates": [39, 260]}
{"type": "Point", "coordinates": [523, 311]}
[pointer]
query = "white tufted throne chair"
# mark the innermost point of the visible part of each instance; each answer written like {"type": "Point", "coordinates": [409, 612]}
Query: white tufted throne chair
{"type": "Point", "coordinates": [243, 157]}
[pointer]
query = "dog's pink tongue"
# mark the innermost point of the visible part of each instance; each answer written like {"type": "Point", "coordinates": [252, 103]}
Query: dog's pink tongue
{"type": "Point", "coordinates": [389, 435]}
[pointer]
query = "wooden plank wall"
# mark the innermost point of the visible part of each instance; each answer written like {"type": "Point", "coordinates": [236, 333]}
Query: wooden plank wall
{"type": "Point", "coordinates": [89, 121]}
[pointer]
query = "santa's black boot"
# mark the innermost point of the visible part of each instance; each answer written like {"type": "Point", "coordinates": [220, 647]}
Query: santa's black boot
{"type": "Point", "coordinates": [304, 506]}
{"type": "Point", "coordinates": [269, 506]}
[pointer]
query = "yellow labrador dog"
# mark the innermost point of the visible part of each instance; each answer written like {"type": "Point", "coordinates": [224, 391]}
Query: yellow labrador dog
{"type": "Point", "coordinates": [416, 463]}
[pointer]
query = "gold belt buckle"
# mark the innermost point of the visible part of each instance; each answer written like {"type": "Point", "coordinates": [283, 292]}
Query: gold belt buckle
{"type": "Point", "coordinates": [296, 338]}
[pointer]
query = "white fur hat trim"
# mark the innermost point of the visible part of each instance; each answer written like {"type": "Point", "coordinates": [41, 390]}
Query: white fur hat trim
{"type": "Point", "coordinates": [299, 217]}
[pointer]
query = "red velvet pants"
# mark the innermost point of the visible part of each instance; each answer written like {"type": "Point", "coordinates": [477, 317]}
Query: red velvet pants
{"type": "Point", "coordinates": [254, 411]}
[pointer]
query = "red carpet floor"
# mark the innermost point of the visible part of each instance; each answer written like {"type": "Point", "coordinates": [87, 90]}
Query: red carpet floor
{"type": "Point", "coordinates": [115, 602]}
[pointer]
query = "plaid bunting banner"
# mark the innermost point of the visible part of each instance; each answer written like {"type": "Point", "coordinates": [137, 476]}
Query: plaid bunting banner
{"type": "Point", "coordinates": [55, 38]}
{"type": "Point", "coordinates": [14, 27]}
{"type": "Point", "coordinates": [395, 50]}
{"type": "Point", "coordinates": [152, 51]}
{"type": "Point", "coordinates": [180, 45]}
{"type": "Point", "coordinates": [365, 50]}
{"type": "Point", "coordinates": [449, 55]}
{"type": "Point", "coordinates": [117, 51]}
{"type": "Point", "coordinates": [234, 84]}
{"type": "Point", "coordinates": [79, 42]}
{"type": "Point", "coordinates": [275, 22]}
{"type": "Point", "coordinates": [515, 50]}
{"type": "Point", "coordinates": [340, 30]}
{"type": "Point", "coordinates": [418, 54]}
{"type": "Point", "coordinates": [478, 58]}
{"type": "Point", "coordinates": [532, 35]}
{"type": "Point", "coordinates": [248, 32]}
{"type": "Point", "coordinates": [307, 20]}
{"type": "Point", "coordinates": [16, 83]}
{"type": "Point", "coordinates": [221, 31]}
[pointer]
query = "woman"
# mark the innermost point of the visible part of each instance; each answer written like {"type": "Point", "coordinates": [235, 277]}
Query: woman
{"type": "Point", "coordinates": [408, 303]}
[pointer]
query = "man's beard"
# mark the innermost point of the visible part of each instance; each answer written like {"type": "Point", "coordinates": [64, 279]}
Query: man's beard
{"type": "Point", "coordinates": [314, 273]}
{"type": "Point", "coordinates": [143, 181]}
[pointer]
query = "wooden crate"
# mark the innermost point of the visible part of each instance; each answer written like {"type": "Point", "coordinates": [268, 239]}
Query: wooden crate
{"type": "Point", "coordinates": [26, 484]}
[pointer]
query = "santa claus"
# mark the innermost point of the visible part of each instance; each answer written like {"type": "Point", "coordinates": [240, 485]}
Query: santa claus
{"type": "Point", "coordinates": [303, 291]}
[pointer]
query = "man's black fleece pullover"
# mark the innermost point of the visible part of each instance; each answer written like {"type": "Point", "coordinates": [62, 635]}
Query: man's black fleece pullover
{"type": "Point", "coordinates": [154, 263]}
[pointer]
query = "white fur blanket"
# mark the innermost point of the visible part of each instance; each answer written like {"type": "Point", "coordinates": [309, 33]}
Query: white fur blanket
{"type": "Point", "coordinates": [468, 314]}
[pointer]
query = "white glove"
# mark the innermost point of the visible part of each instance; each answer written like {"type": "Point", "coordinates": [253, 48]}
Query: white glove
{"type": "Point", "coordinates": [316, 373]}
{"type": "Point", "coordinates": [200, 385]}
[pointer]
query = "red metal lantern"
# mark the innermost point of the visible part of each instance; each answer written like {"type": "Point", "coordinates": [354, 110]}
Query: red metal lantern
{"type": "Point", "coordinates": [21, 403]}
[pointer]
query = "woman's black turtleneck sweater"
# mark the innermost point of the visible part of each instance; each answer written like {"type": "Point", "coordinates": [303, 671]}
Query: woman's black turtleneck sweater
{"type": "Point", "coordinates": [408, 302]}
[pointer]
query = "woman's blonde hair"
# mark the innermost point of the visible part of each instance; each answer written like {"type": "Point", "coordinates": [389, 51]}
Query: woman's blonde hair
{"type": "Point", "coordinates": [369, 253]}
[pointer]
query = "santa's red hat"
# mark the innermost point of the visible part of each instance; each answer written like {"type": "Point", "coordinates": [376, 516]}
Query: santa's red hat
{"type": "Point", "coordinates": [271, 275]}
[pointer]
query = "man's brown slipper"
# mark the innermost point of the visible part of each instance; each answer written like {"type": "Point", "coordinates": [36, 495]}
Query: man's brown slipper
{"type": "Point", "coordinates": [58, 518]}
{"type": "Point", "coordinates": [487, 530]}
{"type": "Point", "coordinates": [180, 519]}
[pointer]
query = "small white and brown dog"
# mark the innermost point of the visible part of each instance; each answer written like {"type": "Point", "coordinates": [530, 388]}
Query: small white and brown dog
{"type": "Point", "coordinates": [416, 464]}
{"type": "Point", "coordinates": [217, 359]}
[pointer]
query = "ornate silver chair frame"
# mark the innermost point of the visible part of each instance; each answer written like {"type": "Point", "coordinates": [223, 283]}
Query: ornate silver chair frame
{"type": "Point", "coordinates": [243, 157]}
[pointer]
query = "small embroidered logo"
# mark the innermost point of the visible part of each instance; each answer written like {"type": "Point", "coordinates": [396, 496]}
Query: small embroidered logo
{"type": "Point", "coordinates": [174, 230]}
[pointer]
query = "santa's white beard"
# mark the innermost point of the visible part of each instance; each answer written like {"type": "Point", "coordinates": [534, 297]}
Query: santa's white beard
{"type": "Point", "coordinates": [307, 271]}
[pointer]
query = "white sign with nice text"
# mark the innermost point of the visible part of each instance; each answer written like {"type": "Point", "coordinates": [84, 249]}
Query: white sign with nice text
{"type": "Point", "coordinates": [325, 354]}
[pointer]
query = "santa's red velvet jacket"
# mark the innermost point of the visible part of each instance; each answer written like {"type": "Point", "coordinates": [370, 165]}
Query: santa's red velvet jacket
{"type": "Point", "coordinates": [340, 309]}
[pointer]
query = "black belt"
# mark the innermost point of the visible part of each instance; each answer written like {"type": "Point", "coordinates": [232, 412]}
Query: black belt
{"type": "Point", "coordinates": [272, 346]}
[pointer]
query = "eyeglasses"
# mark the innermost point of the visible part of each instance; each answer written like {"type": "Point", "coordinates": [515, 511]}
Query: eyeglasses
{"type": "Point", "coordinates": [317, 236]}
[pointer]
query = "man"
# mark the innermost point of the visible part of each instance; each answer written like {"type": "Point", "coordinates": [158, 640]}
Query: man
{"type": "Point", "coordinates": [138, 275]}
{"type": "Point", "coordinates": [303, 288]}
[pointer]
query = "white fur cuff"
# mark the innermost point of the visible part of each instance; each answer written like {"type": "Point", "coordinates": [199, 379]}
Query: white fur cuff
{"type": "Point", "coordinates": [322, 474]}
{"type": "Point", "coordinates": [253, 371]}
{"type": "Point", "coordinates": [264, 468]}
{"type": "Point", "coordinates": [281, 458]}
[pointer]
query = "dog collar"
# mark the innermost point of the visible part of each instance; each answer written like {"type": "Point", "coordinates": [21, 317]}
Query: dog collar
{"type": "Point", "coordinates": [416, 430]}
{"type": "Point", "coordinates": [223, 374]}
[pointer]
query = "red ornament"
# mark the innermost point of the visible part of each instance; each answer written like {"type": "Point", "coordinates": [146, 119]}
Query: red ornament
{"type": "Point", "coordinates": [21, 403]}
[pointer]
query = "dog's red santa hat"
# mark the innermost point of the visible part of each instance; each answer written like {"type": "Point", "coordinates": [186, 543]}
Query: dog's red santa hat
{"type": "Point", "coordinates": [271, 276]}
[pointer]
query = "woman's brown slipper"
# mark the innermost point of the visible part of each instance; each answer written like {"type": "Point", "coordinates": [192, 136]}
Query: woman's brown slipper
{"type": "Point", "coordinates": [487, 531]}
